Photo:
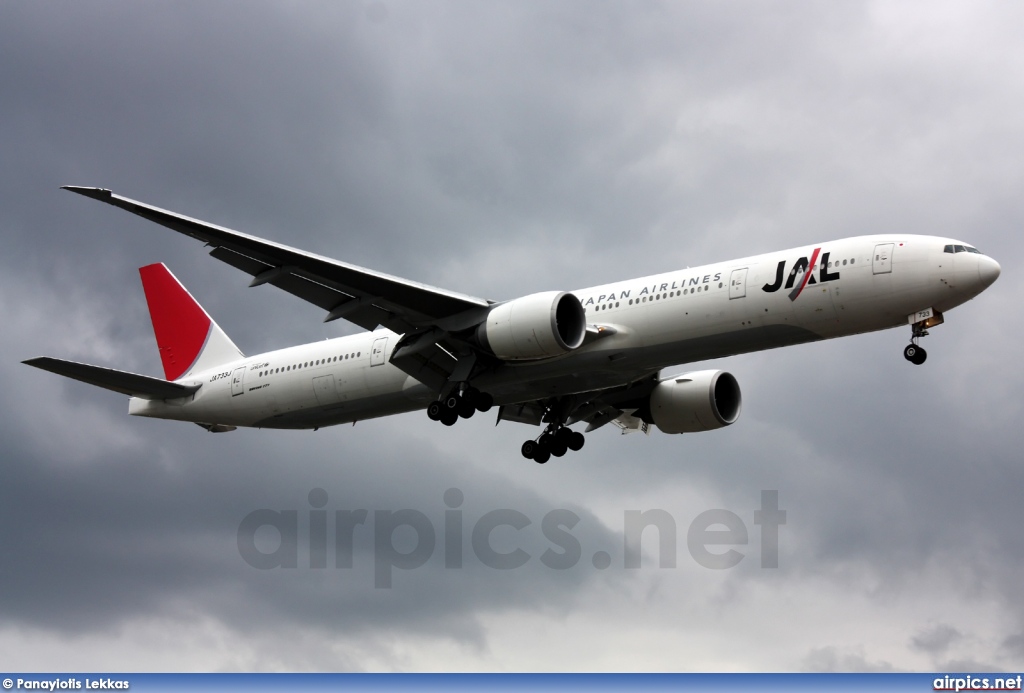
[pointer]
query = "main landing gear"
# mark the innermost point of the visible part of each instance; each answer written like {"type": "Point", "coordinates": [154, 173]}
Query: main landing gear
{"type": "Point", "coordinates": [556, 440]}
{"type": "Point", "coordinates": [463, 402]}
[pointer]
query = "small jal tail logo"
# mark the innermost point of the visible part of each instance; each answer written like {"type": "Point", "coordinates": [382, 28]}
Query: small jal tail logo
{"type": "Point", "coordinates": [801, 275]}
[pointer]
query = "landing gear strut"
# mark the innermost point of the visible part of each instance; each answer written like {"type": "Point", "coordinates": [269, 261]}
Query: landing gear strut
{"type": "Point", "coordinates": [464, 401]}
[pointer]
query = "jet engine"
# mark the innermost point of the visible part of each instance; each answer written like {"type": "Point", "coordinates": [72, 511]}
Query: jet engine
{"type": "Point", "coordinates": [698, 401]}
{"type": "Point", "coordinates": [534, 327]}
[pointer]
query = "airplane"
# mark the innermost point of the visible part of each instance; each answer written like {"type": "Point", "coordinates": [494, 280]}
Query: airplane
{"type": "Point", "coordinates": [551, 359]}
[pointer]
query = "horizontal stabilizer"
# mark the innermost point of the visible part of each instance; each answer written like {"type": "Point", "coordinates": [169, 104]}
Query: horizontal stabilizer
{"type": "Point", "coordinates": [141, 386]}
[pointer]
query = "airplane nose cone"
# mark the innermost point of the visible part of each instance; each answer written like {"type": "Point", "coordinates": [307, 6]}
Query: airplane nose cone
{"type": "Point", "coordinates": [988, 270]}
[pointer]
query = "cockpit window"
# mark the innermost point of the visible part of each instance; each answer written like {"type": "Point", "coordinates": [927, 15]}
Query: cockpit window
{"type": "Point", "coordinates": [960, 249]}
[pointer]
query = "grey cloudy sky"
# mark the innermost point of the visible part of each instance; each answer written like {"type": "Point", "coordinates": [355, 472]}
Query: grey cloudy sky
{"type": "Point", "coordinates": [499, 149]}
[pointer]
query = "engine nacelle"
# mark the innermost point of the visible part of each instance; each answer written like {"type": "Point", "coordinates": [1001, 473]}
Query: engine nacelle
{"type": "Point", "coordinates": [698, 401]}
{"type": "Point", "coordinates": [534, 326]}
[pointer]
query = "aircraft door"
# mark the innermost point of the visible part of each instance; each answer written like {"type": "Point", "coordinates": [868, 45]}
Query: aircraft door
{"type": "Point", "coordinates": [738, 283]}
{"type": "Point", "coordinates": [325, 390]}
{"type": "Point", "coordinates": [377, 352]}
{"type": "Point", "coordinates": [881, 263]}
{"type": "Point", "coordinates": [238, 381]}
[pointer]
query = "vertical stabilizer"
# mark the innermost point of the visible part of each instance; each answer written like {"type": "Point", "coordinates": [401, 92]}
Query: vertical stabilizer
{"type": "Point", "coordinates": [188, 338]}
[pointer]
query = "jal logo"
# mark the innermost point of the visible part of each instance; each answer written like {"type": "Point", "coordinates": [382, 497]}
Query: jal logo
{"type": "Point", "coordinates": [801, 275]}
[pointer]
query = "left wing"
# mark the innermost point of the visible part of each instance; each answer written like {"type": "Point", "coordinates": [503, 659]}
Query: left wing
{"type": "Point", "coordinates": [626, 406]}
{"type": "Point", "coordinates": [362, 296]}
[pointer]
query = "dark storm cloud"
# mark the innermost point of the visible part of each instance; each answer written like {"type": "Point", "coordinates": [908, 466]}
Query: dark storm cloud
{"type": "Point", "coordinates": [91, 547]}
{"type": "Point", "coordinates": [499, 150]}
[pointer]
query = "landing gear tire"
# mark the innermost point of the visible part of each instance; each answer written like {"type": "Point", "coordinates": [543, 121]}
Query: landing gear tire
{"type": "Point", "coordinates": [546, 441]}
{"type": "Point", "coordinates": [556, 441]}
{"type": "Point", "coordinates": [434, 411]}
{"type": "Point", "coordinates": [449, 417]}
{"type": "Point", "coordinates": [484, 401]}
{"type": "Point", "coordinates": [915, 354]}
{"type": "Point", "coordinates": [465, 408]}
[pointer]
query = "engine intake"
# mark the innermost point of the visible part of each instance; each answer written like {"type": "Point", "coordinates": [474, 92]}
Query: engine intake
{"type": "Point", "coordinates": [534, 327]}
{"type": "Point", "coordinates": [698, 401]}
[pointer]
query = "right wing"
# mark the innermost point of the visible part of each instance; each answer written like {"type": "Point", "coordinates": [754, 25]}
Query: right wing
{"type": "Point", "coordinates": [141, 386]}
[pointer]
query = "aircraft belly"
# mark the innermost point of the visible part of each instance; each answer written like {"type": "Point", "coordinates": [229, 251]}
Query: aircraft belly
{"type": "Point", "coordinates": [368, 407]}
{"type": "Point", "coordinates": [596, 370]}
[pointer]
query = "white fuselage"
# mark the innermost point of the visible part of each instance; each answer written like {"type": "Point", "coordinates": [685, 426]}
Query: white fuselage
{"type": "Point", "coordinates": [854, 285]}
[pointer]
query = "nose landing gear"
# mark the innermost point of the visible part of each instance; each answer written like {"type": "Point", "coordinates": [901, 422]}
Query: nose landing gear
{"type": "Point", "coordinates": [914, 353]}
{"type": "Point", "coordinates": [919, 324]}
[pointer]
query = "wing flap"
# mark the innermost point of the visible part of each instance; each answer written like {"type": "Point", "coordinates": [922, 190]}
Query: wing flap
{"type": "Point", "coordinates": [142, 386]}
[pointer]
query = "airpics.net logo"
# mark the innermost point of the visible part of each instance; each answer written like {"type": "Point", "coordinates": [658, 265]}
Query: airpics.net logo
{"type": "Point", "coordinates": [406, 539]}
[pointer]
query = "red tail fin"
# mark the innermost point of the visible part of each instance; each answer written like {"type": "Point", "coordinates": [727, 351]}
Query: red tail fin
{"type": "Point", "coordinates": [186, 335]}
